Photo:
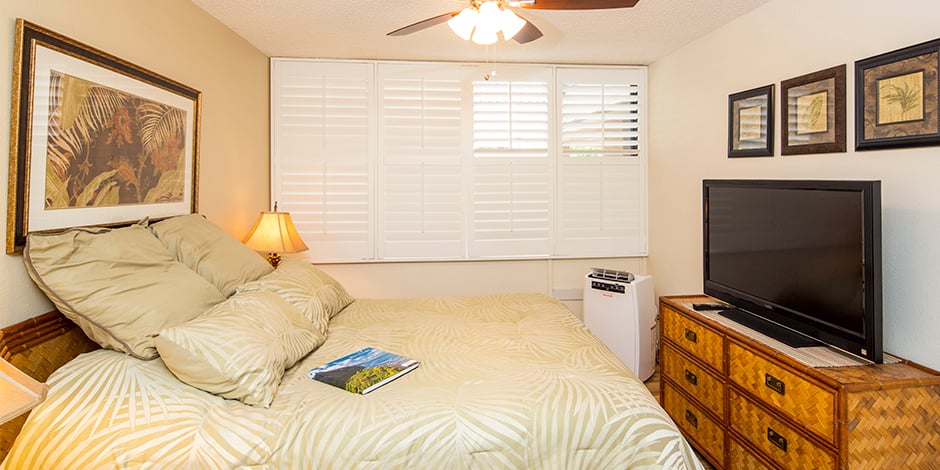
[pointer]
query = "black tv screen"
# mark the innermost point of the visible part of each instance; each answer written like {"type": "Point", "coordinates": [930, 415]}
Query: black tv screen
{"type": "Point", "coordinates": [799, 260]}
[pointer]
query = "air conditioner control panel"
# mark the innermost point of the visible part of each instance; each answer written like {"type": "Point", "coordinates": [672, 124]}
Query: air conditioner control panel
{"type": "Point", "coordinates": [608, 286]}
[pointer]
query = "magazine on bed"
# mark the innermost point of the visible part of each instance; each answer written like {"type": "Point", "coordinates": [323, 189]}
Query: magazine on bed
{"type": "Point", "coordinates": [363, 371]}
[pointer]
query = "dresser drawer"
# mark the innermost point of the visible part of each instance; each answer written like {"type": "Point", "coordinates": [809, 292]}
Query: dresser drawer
{"type": "Point", "coordinates": [740, 458]}
{"type": "Point", "coordinates": [809, 404]}
{"type": "Point", "coordinates": [696, 381]}
{"type": "Point", "coordinates": [784, 445]}
{"type": "Point", "coordinates": [693, 337]}
{"type": "Point", "coordinates": [708, 435]}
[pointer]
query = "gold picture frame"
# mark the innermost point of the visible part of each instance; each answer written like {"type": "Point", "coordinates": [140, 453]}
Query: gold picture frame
{"type": "Point", "coordinates": [751, 123]}
{"type": "Point", "coordinates": [812, 112]}
{"type": "Point", "coordinates": [897, 98]}
{"type": "Point", "coordinates": [95, 140]}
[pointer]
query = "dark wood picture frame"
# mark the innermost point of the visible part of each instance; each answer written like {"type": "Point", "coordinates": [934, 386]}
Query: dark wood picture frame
{"type": "Point", "coordinates": [751, 123]}
{"type": "Point", "coordinates": [897, 98]}
{"type": "Point", "coordinates": [95, 140]}
{"type": "Point", "coordinates": [812, 112]}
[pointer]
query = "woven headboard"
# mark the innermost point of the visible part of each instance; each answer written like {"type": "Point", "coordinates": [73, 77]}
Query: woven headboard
{"type": "Point", "coordinates": [38, 347]}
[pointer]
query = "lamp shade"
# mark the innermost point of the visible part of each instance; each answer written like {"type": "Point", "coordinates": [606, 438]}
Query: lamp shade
{"type": "Point", "coordinates": [274, 232]}
{"type": "Point", "coordinates": [510, 23]}
{"type": "Point", "coordinates": [463, 23]}
{"type": "Point", "coordinates": [18, 392]}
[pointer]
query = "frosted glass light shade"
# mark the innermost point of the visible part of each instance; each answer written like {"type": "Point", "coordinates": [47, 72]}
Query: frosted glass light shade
{"type": "Point", "coordinates": [274, 233]}
{"type": "Point", "coordinates": [463, 23]}
{"type": "Point", "coordinates": [510, 23]}
{"type": "Point", "coordinates": [485, 37]}
{"type": "Point", "coordinates": [489, 18]}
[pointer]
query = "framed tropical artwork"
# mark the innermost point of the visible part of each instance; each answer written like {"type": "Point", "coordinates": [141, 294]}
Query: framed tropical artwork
{"type": "Point", "coordinates": [812, 112]}
{"type": "Point", "coordinates": [897, 98]}
{"type": "Point", "coordinates": [751, 123]}
{"type": "Point", "coordinates": [95, 140]}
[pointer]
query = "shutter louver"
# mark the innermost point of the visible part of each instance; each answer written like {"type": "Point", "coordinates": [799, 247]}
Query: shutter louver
{"type": "Point", "coordinates": [511, 211]}
{"type": "Point", "coordinates": [510, 119]}
{"type": "Point", "coordinates": [600, 120]}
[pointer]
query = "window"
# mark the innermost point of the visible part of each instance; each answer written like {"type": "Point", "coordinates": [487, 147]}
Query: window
{"type": "Point", "coordinates": [601, 168]}
{"type": "Point", "coordinates": [423, 161]}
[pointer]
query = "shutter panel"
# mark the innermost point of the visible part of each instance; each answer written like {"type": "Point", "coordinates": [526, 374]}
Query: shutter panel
{"type": "Point", "coordinates": [511, 210]}
{"type": "Point", "coordinates": [322, 152]}
{"type": "Point", "coordinates": [510, 119]}
{"type": "Point", "coordinates": [421, 188]}
{"type": "Point", "coordinates": [511, 213]}
{"type": "Point", "coordinates": [602, 168]}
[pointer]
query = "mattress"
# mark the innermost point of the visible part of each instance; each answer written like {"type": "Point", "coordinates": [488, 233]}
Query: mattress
{"type": "Point", "coordinates": [505, 381]}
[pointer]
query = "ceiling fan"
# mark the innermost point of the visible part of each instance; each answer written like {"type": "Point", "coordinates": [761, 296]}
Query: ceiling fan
{"type": "Point", "coordinates": [483, 19]}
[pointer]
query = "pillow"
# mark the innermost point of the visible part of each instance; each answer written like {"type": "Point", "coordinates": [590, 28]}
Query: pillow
{"type": "Point", "coordinates": [309, 289]}
{"type": "Point", "coordinates": [210, 251]}
{"type": "Point", "coordinates": [118, 285]}
{"type": "Point", "coordinates": [240, 348]}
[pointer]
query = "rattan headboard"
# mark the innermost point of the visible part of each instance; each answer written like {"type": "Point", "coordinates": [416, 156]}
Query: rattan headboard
{"type": "Point", "coordinates": [38, 347]}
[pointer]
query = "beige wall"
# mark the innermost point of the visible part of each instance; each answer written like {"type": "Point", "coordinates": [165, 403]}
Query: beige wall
{"type": "Point", "coordinates": [176, 39]}
{"type": "Point", "coordinates": [562, 278]}
{"type": "Point", "coordinates": [781, 40]}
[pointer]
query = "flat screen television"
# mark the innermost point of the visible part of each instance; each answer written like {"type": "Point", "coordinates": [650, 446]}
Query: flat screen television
{"type": "Point", "coordinates": [799, 261]}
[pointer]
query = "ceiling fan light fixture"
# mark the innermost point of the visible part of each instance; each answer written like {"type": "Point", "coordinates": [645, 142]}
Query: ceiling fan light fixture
{"type": "Point", "coordinates": [463, 23]}
{"type": "Point", "coordinates": [510, 23]}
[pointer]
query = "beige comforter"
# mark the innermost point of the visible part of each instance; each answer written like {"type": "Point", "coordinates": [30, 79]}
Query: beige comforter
{"type": "Point", "coordinates": [506, 381]}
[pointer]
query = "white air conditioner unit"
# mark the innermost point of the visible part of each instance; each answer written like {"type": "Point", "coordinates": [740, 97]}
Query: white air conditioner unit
{"type": "Point", "coordinates": [620, 310]}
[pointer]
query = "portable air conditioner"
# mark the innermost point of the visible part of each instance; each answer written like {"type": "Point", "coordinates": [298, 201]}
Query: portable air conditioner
{"type": "Point", "coordinates": [620, 310]}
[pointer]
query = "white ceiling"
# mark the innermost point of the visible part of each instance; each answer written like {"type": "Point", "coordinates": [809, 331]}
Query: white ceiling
{"type": "Point", "coordinates": [356, 29]}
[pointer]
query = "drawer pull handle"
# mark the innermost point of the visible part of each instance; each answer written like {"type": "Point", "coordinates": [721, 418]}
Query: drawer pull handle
{"type": "Point", "coordinates": [691, 418]}
{"type": "Point", "coordinates": [776, 439]}
{"type": "Point", "coordinates": [691, 336]}
{"type": "Point", "coordinates": [690, 377]}
{"type": "Point", "coordinates": [775, 384]}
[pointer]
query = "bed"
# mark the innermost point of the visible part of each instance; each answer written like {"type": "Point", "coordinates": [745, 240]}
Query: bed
{"type": "Point", "coordinates": [505, 381]}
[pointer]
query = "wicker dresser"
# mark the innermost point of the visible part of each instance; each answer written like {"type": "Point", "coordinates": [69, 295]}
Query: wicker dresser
{"type": "Point", "coordinates": [746, 405]}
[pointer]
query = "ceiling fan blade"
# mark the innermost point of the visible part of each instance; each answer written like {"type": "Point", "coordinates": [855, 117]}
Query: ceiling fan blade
{"type": "Point", "coordinates": [573, 4]}
{"type": "Point", "coordinates": [423, 24]}
{"type": "Point", "coordinates": [528, 33]}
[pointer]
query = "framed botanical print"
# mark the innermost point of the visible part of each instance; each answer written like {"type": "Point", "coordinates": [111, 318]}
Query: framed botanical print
{"type": "Point", "coordinates": [751, 123]}
{"type": "Point", "coordinates": [896, 98]}
{"type": "Point", "coordinates": [812, 112]}
{"type": "Point", "coordinates": [95, 140]}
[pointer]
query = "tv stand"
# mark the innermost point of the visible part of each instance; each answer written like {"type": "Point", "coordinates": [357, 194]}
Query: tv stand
{"type": "Point", "coordinates": [775, 331]}
{"type": "Point", "coordinates": [745, 404]}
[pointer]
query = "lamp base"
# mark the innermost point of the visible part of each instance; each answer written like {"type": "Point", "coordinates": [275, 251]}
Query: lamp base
{"type": "Point", "coordinates": [274, 259]}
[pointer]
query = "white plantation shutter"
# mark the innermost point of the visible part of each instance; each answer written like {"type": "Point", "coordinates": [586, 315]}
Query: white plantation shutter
{"type": "Point", "coordinates": [601, 179]}
{"type": "Point", "coordinates": [417, 160]}
{"type": "Point", "coordinates": [511, 210]}
{"type": "Point", "coordinates": [322, 134]}
{"type": "Point", "coordinates": [421, 189]}
{"type": "Point", "coordinates": [511, 166]}
{"type": "Point", "coordinates": [510, 118]}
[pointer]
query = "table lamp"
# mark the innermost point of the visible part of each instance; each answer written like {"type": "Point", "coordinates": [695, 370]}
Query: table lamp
{"type": "Point", "coordinates": [274, 233]}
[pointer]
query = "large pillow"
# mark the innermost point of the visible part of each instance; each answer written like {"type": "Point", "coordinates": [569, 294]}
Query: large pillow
{"type": "Point", "coordinates": [311, 290]}
{"type": "Point", "coordinates": [240, 348]}
{"type": "Point", "coordinates": [210, 251]}
{"type": "Point", "coordinates": [119, 285]}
